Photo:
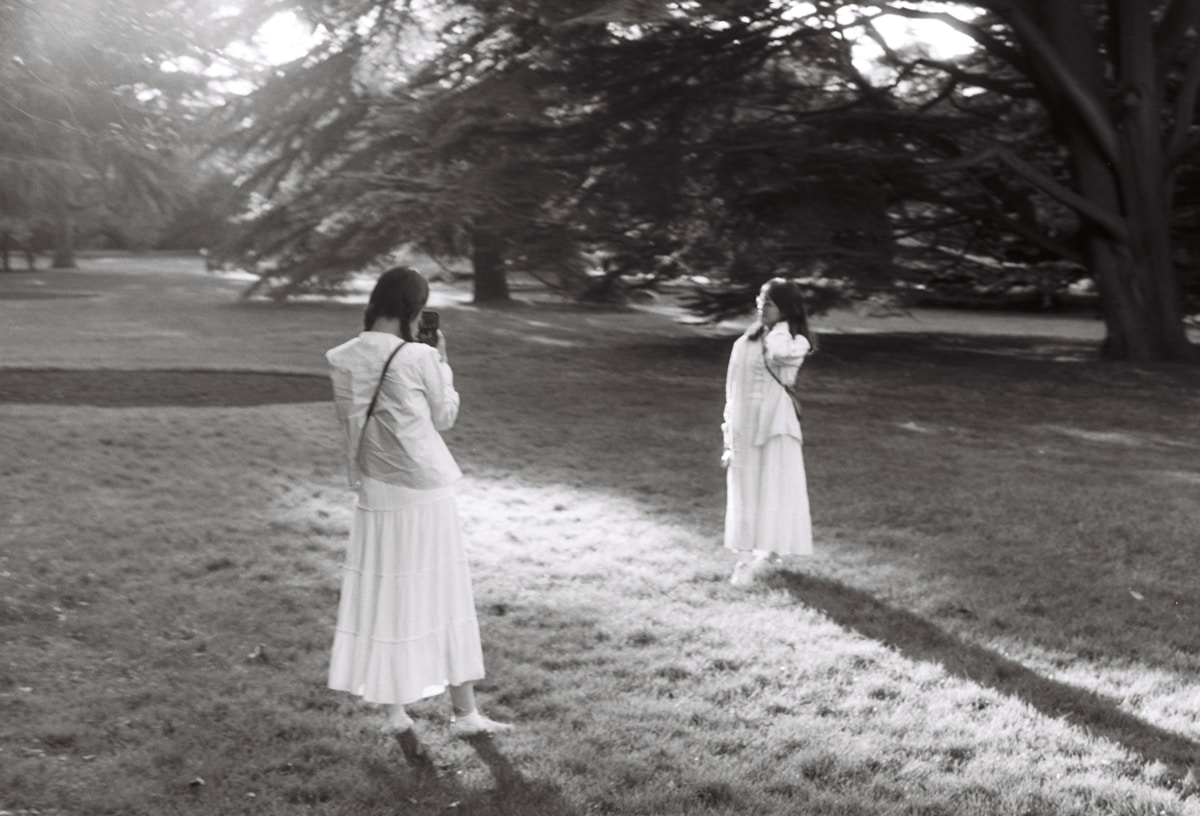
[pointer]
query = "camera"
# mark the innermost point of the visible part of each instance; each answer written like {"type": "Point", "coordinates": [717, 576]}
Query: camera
{"type": "Point", "coordinates": [427, 329]}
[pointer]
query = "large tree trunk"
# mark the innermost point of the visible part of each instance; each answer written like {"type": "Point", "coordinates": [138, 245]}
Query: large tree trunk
{"type": "Point", "coordinates": [1138, 286]}
{"type": "Point", "coordinates": [1145, 186]}
{"type": "Point", "coordinates": [487, 260]}
{"type": "Point", "coordinates": [1118, 165]}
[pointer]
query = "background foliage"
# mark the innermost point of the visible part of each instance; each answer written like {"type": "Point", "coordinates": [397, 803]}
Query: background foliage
{"type": "Point", "coordinates": [605, 146]}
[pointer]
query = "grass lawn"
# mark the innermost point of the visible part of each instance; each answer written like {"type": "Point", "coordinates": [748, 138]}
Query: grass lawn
{"type": "Point", "coordinates": [1002, 618]}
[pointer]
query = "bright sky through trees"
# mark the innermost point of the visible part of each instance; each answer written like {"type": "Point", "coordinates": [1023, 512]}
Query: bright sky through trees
{"type": "Point", "coordinates": [284, 38]}
{"type": "Point", "coordinates": [943, 42]}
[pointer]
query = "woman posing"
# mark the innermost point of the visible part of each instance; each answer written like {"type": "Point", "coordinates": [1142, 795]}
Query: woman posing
{"type": "Point", "coordinates": [766, 511]}
{"type": "Point", "coordinates": [406, 623]}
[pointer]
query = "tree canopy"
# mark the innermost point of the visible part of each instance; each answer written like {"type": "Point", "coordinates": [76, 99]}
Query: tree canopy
{"type": "Point", "coordinates": [1111, 87]}
{"type": "Point", "coordinates": [599, 143]}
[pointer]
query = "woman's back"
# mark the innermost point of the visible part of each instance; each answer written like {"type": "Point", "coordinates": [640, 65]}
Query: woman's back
{"type": "Point", "coordinates": [400, 444]}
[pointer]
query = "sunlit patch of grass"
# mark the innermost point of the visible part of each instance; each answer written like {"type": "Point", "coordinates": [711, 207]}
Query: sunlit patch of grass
{"type": "Point", "coordinates": [1001, 618]}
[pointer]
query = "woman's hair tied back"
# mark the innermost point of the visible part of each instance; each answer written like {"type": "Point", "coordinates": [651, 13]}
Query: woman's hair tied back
{"type": "Point", "coordinates": [401, 292]}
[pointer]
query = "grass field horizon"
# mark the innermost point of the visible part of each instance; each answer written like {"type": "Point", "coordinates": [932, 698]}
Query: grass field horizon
{"type": "Point", "coordinates": [1003, 616]}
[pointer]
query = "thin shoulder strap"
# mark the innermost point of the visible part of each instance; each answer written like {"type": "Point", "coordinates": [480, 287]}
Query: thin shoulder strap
{"type": "Point", "coordinates": [375, 398]}
{"type": "Point", "coordinates": [790, 390]}
{"type": "Point", "coordinates": [382, 374]}
{"type": "Point", "coordinates": [767, 364]}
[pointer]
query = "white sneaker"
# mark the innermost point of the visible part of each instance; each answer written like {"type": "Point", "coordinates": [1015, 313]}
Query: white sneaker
{"type": "Point", "coordinates": [398, 722]}
{"type": "Point", "coordinates": [476, 725]}
{"type": "Point", "coordinates": [763, 558]}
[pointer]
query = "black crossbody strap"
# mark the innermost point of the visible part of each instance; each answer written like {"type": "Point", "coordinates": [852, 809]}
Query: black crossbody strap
{"type": "Point", "coordinates": [788, 389]}
{"type": "Point", "coordinates": [375, 398]}
{"type": "Point", "coordinates": [767, 364]}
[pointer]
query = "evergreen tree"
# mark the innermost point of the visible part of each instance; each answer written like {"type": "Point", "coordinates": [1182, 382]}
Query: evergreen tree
{"type": "Point", "coordinates": [1112, 85]}
{"type": "Point", "coordinates": [737, 140]}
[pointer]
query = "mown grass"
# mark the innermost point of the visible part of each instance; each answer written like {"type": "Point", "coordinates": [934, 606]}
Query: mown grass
{"type": "Point", "coordinates": [1002, 617]}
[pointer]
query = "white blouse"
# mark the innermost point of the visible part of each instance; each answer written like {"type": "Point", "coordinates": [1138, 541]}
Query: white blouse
{"type": "Point", "coordinates": [757, 407]}
{"type": "Point", "coordinates": [401, 444]}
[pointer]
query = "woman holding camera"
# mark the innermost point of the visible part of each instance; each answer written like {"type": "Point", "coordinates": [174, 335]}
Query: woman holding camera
{"type": "Point", "coordinates": [766, 511]}
{"type": "Point", "coordinates": [406, 622]}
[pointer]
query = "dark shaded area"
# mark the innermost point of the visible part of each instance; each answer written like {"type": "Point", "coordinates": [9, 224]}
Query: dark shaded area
{"type": "Point", "coordinates": [911, 348]}
{"type": "Point", "coordinates": [428, 786]}
{"type": "Point", "coordinates": [514, 793]}
{"type": "Point", "coordinates": [890, 368]}
{"type": "Point", "coordinates": [119, 388]}
{"type": "Point", "coordinates": [415, 752]}
{"type": "Point", "coordinates": [36, 294]}
{"type": "Point", "coordinates": [918, 639]}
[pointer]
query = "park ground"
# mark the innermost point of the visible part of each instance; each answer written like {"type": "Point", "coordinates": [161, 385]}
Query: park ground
{"type": "Point", "coordinates": [1003, 615]}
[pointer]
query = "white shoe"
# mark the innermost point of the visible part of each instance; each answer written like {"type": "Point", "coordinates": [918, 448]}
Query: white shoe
{"type": "Point", "coordinates": [742, 574]}
{"type": "Point", "coordinates": [398, 722]}
{"type": "Point", "coordinates": [763, 558]}
{"type": "Point", "coordinates": [476, 725]}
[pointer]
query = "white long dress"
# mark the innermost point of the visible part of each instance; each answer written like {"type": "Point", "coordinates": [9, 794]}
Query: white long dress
{"type": "Point", "coordinates": [766, 485]}
{"type": "Point", "coordinates": [406, 622]}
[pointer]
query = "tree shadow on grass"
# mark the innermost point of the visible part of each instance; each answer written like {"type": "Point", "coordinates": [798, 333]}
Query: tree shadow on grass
{"type": "Point", "coordinates": [115, 388]}
{"type": "Point", "coordinates": [918, 639]}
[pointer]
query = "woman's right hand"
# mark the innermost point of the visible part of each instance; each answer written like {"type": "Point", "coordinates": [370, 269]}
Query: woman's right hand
{"type": "Point", "coordinates": [726, 458]}
{"type": "Point", "coordinates": [441, 346]}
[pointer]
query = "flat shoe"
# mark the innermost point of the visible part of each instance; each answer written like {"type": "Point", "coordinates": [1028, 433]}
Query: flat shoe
{"type": "Point", "coordinates": [397, 725]}
{"type": "Point", "coordinates": [476, 725]}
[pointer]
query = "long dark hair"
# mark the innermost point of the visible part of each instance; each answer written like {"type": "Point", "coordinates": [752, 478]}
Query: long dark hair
{"type": "Point", "coordinates": [400, 292]}
{"type": "Point", "coordinates": [789, 299]}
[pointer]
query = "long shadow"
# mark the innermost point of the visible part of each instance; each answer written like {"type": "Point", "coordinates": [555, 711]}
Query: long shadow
{"type": "Point", "coordinates": [514, 793]}
{"type": "Point", "coordinates": [427, 785]}
{"type": "Point", "coordinates": [918, 639]}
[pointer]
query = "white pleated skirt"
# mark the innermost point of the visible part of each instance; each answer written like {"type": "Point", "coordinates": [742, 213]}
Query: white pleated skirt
{"type": "Point", "coordinates": [767, 499]}
{"type": "Point", "coordinates": [406, 623]}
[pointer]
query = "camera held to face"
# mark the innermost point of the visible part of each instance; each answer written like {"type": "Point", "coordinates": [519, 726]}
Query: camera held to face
{"type": "Point", "coordinates": [427, 329]}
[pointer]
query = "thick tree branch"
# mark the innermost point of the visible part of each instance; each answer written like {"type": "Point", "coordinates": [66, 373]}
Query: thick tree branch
{"type": "Point", "coordinates": [1090, 108]}
{"type": "Point", "coordinates": [985, 81]}
{"type": "Point", "coordinates": [1030, 232]}
{"type": "Point", "coordinates": [1185, 109]}
{"type": "Point", "coordinates": [1041, 49]}
{"type": "Point", "coordinates": [1109, 221]}
{"type": "Point", "coordinates": [1171, 31]}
